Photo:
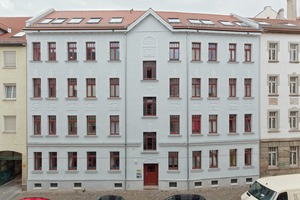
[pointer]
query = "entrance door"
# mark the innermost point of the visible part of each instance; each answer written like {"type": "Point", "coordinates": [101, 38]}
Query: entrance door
{"type": "Point", "coordinates": [150, 174]}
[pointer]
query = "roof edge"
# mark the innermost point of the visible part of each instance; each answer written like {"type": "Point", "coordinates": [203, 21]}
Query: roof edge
{"type": "Point", "coordinates": [39, 16]}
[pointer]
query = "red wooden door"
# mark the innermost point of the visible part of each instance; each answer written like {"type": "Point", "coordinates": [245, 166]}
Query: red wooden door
{"type": "Point", "coordinates": [151, 174]}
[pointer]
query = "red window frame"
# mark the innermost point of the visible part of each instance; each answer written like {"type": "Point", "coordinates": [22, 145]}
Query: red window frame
{"type": "Point", "coordinates": [212, 52]}
{"type": "Point", "coordinates": [72, 51]}
{"type": "Point", "coordinates": [233, 157]}
{"type": "Point", "coordinates": [213, 87]}
{"type": "Point", "coordinates": [90, 51]}
{"type": "Point", "coordinates": [149, 141]}
{"type": "Point", "coordinates": [91, 125]}
{"type": "Point", "coordinates": [114, 160]}
{"type": "Point", "coordinates": [173, 160]}
{"type": "Point", "coordinates": [232, 87]}
{"type": "Point", "coordinates": [196, 160]}
{"type": "Point", "coordinates": [196, 51]}
{"type": "Point", "coordinates": [248, 119]}
{"type": "Point", "coordinates": [232, 52]}
{"type": "Point", "coordinates": [36, 47]}
{"type": "Point", "coordinates": [232, 123]}
{"type": "Point", "coordinates": [149, 70]}
{"type": "Point", "coordinates": [72, 125]}
{"type": "Point", "coordinates": [174, 51]}
{"type": "Point", "coordinates": [52, 124]}
{"type": "Point", "coordinates": [37, 160]}
{"type": "Point", "coordinates": [149, 106]}
{"type": "Point", "coordinates": [91, 160]}
{"type": "Point", "coordinates": [72, 160]}
{"type": "Point", "coordinates": [196, 124]}
{"type": "Point", "coordinates": [174, 87]}
{"type": "Point", "coordinates": [52, 87]}
{"type": "Point", "coordinates": [114, 87]}
{"type": "Point", "coordinates": [213, 159]}
{"type": "Point", "coordinates": [114, 124]}
{"type": "Point", "coordinates": [247, 83]}
{"type": "Point", "coordinates": [196, 87]}
{"type": "Point", "coordinates": [72, 87]}
{"type": "Point", "coordinates": [37, 125]}
{"type": "Point", "coordinates": [52, 160]}
{"type": "Point", "coordinates": [213, 123]}
{"type": "Point", "coordinates": [174, 124]}
{"type": "Point", "coordinates": [90, 87]}
{"type": "Point", "coordinates": [36, 87]}
{"type": "Point", "coordinates": [51, 51]}
{"type": "Point", "coordinates": [114, 49]}
{"type": "Point", "coordinates": [248, 156]}
{"type": "Point", "coordinates": [248, 55]}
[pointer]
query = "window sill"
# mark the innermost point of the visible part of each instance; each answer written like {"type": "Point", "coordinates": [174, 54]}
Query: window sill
{"type": "Point", "coordinates": [149, 152]}
{"type": "Point", "coordinates": [149, 80]}
{"type": "Point", "coordinates": [174, 135]}
{"type": "Point", "coordinates": [72, 136]}
{"type": "Point", "coordinates": [196, 61]}
{"type": "Point", "coordinates": [37, 136]}
{"type": "Point", "coordinates": [51, 136]}
{"type": "Point", "coordinates": [91, 136]}
{"type": "Point", "coordinates": [196, 98]}
{"type": "Point", "coordinates": [71, 61]}
{"type": "Point", "coordinates": [91, 171]}
{"type": "Point", "coordinates": [213, 134]}
{"type": "Point", "coordinates": [273, 131]}
{"type": "Point", "coordinates": [9, 132]}
{"type": "Point", "coordinates": [233, 62]}
{"type": "Point", "coordinates": [36, 98]}
{"type": "Point", "coordinates": [273, 167]}
{"type": "Point", "coordinates": [72, 172]}
{"type": "Point", "coordinates": [71, 98]}
{"type": "Point", "coordinates": [196, 134]}
{"type": "Point", "coordinates": [174, 98]}
{"type": "Point", "coordinates": [175, 171]}
{"type": "Point", "coordinates": [294, 131]}
{"type": "Point", "coordinates": [35, 61]}
{"type": "Point", "coordinates": [9, 67]}
{"type": "Point", "coordinates": [248, 62]}
{"type": "Point", "coordinates": [248, 98]}
{"type": "Point", "coordinates": [233, 168]}
{"type": "Point", "coordinates": [214, 169]}
{"type": "Point", "coordinates": [116, 171]}
{"type": "Point", "coordinates": [52, 98]}
{"type": "Point", "coordinates": [273, 61]}
{"type": "Point", "coordinates": [37, 172]}
{"type": "Point", "coordinates": [10, 99]}
{"type": "Point", "coordinates": [114, 98]}
{"type": "Point", "coordinates": [213, 98]}
{"type": "Point", "coordinates": [90, 98]}
{"type": "Point", "coordinates": [232, 134]}
{"type": "Point", "coordinates": [52, 172]}
{"type": "Point", "coordinates": [294, 95]}
{"type": "Point", "coordinates": [295, 62]}
{"type": "Point", "coordinates": [248, 167]}
{"type": "Point", "coordinates": [232, 98]}
{"type": "Point", "coordinates": [273, 95]}
{"type": "Point", "coordinates": [90, 61]}
{"type": "Point", "coordinates": [196, 170]}
{"type": "Point", "coordinates": [51, 61]}
{"type": "Point", "coordinates": [213, 61]}
{"type": "Point", "coordinates": [149, 117]}
{"type": "Point", "coordinates": [174, 61]}
{"type": "Point", "coordinates": [114, 61]}
{"type": "Point", "coordinates": [248, 133]}
{"type": "Point", "coordinates": [114, 136]}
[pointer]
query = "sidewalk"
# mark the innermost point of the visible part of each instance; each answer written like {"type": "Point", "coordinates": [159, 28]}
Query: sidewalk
{"type": "Point", "coordinates": [11, 189]}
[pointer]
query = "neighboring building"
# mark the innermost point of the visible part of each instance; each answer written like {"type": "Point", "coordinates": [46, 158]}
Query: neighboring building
{"type": "Point", "coordinates": [13, 150]}
{"type": "Point", "coordinates": [141, 99]}
{"type": "Point", "coordinates": [268, 13]}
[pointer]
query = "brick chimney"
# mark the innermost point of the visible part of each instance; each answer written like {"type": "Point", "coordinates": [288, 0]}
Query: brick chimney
{"type": "Point", "coordinates": [291, 9]}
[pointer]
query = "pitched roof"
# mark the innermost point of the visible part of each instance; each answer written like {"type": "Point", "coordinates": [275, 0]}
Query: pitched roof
{"type": "Point", "coordinates": [9, 27]}
{"type": "Point", "coordinates": [278, 25]}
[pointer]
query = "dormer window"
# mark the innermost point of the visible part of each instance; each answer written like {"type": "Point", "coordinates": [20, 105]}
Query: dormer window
{"type": "Point", "coordinates": [75, 21]}
{"type": "Point", "coordinates": [93, 21]}
{"type": "Point", "coordinates": [195, 21]}
{"type": "Point", "coordinates": [207, 22]}
{"type": "Point", "coordinates": [58, 21]}
{"type": "Point", "coordinates": [174, 20]}
{"type": "Point", "coordinates": [116, 20]}
{"type": "Point", "coordinates": [46, 21]}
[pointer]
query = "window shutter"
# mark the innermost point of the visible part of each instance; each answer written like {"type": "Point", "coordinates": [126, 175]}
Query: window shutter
{"type": "Point", "coordinates": [9, 59]}
{"type": "Point", "coordinates": [10, 123]}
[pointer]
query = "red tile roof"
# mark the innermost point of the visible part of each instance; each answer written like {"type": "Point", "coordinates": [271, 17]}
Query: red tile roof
{"type": "Point", "coordinates": [279, 25]}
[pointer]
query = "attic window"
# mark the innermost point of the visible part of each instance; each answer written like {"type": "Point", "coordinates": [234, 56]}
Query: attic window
{"type": "Point", "coordinates": [194, 21]}
{"type": "Point", "coordinates": [289, 24]}
{"type": "Point", "coordinates": [58, 21]}
{"type": "Point", "coordinates": [93, 21]}
{"type": "Point", "coordinates": [227, 23]}
{"type": "Point", "coordinates": [46, 21]}
{"type": "Point", "coordinates": [75, 20]}
{"type": "Point", "coordinates": [207, 22]}
{"type": "Point", "coordinates": [174, 20]}
{"type": "Point", "coordinates": [20, 34]}
{"type": "Point", "coordinates": [116, 20]}
{"type": "Point", "coordinates": [263, 23]}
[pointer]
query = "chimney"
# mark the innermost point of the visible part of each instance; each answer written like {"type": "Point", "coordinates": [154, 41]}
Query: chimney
{"type": "Point", "coordinates": [291, 9]}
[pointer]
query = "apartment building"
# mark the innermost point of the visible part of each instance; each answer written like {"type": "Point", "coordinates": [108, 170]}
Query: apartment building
{"type": "Point", "coordinates": [141, 99]}
{"type": "Point", "coordinates": [13, 150]}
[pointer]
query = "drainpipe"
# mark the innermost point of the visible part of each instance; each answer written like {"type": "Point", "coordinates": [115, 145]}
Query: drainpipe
{"type": "Point", "coordinates": [125, 120]}
{"type": "Point", "coordinates": [187, 40]}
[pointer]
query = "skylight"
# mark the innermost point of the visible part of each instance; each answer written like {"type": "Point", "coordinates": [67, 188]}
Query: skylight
{"type": "Point", "coordinates": [58, 21]}
{"type": "Point", "coordinates": [227, 23]}
{"type": "Point", "coordinates": [20, 34]}
{"type": "Point", "coordinates": [93, 21]}
{"type": "Point", "coordinates": [242, 24]}
{"type": "Point", "coordinates": [46, 21]}
{"type": "Point", "coordinates": [263, 23]}
{"type": "Point", "coordinates": [289, 24]}
{"type": "Point", "coordinates": [195, 21]}
{"type": "Point", "coordinates": [116, 20]}
{"type": "Point", "coordinates": [207, 22]}
{"type": "Point", "coordinates": [75, 20]}
{"type": "Point", "coordinates": [174, 20]}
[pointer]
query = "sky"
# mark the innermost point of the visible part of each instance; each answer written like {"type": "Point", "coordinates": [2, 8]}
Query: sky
{"type": "Point", "coordinates": [245, 8]}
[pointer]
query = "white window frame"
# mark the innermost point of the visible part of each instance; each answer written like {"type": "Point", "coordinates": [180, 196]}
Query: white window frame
{"type": "Point", "coordinates": [273, 120]}
{"type": "Point", "coordinates": [273, 49]}
{"type": "Point", "coordinates": [13, 94]}
{"type": "Point", "coordinates": [294, 51]}
{"type": "Point", "coordinates": [294, 84]}
{"type": "Point", "coordinates": [294, 119]}
{"type": "Point", "coordinates": [273, 84]}
{"type": "Point", "coordinates": [293, 155]}
{"type": "Point", "coordinates": [273, 154]}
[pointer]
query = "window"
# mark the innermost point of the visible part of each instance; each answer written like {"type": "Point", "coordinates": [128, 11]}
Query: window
{"type": "Point", "coordinates": [196, 124]}
{"type": "Point", "coordinates": [174, 51]}
{"type": "Point", "coordinates": [248, 156]}
{"type": "Point", "coordinates": [37, 125]}
{"type": "Point", "coordinates": [52, 160]}
{"type": "Point", "coordinates": [149, 106]}
{"type": "Point", "coordinates": [273, 85]}
{"type": "Point", "coordinates": [196, 51]}
{"type": "Point", "coordinates": [72, 87]}
{"type": "Point", "coordinates": [91, 160]}
{"type": "Point", "coordinates": [294, 155]}
{"type": "Point", "coordinates": [213, 87]}
{"type": "Point", "coordinates": [248, 123]}
{"type": "Point", "coordinates": [114, 125]}
{"type": "Point", "coordinates": [114, 51]}
{"type": "Point", "coordinates": [212, 52]}
{"type": "Point", "coordinates": [282, 196]}
{"type": "Point", "coordinates": [174, 124]}
{"type": "Point", "coordinates": [10, 91]}
{"type": "Point", "coordinates": [196, 87]}
{"type": "Point", "coordinates": [52, 124]}
{"type": "Point", "coordinates": [273, 120]}
{"type": "Point", "coordinates": [174, 20]}
{"type": "Point", "coordinates": [36, 87]}
{"type": "Point", "coordinates": [232, 52]}
{"type": "Point", "coordinates": [90, 51]}
{"type": "Point", "coordinates": [232, 157]}
{"type": "Point", "coordinates": [116, 20]}
{"type": "Point", "coordinates": [294, 52]}
{"type": "Point", "coordinates": [114, 160]}
{"type": "Point", "coordinates": [293, 85]}
{"type": "Point", "coordinates": [213, 123]}
{"type": "Point", "coordinates": [114, 87]}
{"type": "Point", "coordinates": [52, 87]}
{"type": "Point", "coordinates": [72, 124]}
{"type": "Point", "coordinates": [36, 51]}
{"type": "Point", "coordinates": [9, 58]}
{"type": "Point", "coordinates": [75, 20]}
{"type": "Point", "coordinates": [91, 125]}
{"type": "Point", "coordinates": [72, 51]}
{"type": "Point", "coordinates": [232, 87]}
{"type": "Point", "coordinates": [272, 156]}
{"type": "Point", "coordinates": [248, 56]}
{"type": "Point", "coordinates": [93, 21]}
{"type": "Point", "coordinates": [10, 124]}
{"type": "Point", "coordinates": [196, 160]}
{"type": "Point", "coordinates": [294, 120]}
{"type": "Point", "coordinates": [247, 83]}
{"type": "Point", "coordinates": [273, 51]}
{"type": "Point", "coordinates": [37, 160]}
{"type": "Point", "coordinates": [72, 160]}
{"type": "Point", "coordinates": [232, 123]}
{"type": "Point", "coordinates": [174, 87]}
{"type": "Point", "coordinates": [213, 159]}
{"type": "Point", "coordinates": [173, 160]}
{"type": "Point", "coordinates": [52, 51]}
{"type": "Point", "coordinates": [149, 70]}
{"type": "Point", "coordinates": [90, 88]}
{"type": "Point", "coordinates": [149, 141]}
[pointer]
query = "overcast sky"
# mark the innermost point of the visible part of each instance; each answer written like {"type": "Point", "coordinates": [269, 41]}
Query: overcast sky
{"type": "Point", "coordinates": [246, 8]}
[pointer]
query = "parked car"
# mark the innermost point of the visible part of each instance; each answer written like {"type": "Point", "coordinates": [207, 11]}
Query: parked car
{"type": "Point", "coordinates": [185, 197]}
{"type": "Point", "coordinates": [34, 198]}
{"type": "Point", "coordinates": [110, 197]}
